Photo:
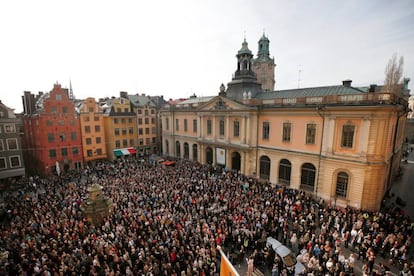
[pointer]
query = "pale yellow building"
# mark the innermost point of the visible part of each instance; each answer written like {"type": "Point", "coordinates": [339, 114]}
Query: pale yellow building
{"type": "Point", "coordinates": [120, 128]}
{"type": "Point", "coordinates": [146, 117]}
{"type": "Point", "coordinates": [92, 130]}
{"type": "Point", "coordinates": [340, 143]}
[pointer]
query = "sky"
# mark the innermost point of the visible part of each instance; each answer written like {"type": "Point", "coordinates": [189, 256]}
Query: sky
{"type": "Point", "coordinates": [180, 48]}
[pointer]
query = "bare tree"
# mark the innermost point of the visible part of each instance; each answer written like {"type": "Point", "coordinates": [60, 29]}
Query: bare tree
{"type": "Point", "coordinates": [393, 74]}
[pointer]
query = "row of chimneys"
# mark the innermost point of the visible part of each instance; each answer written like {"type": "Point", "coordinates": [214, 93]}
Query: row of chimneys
{"type": "Point", "coordinates": [347, 83]}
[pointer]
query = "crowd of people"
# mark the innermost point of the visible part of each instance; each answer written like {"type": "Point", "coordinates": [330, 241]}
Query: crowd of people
{"type": "Point", "coordinates": [170, 220]}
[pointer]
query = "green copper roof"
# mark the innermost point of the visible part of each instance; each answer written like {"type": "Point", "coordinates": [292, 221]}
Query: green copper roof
{"type": "Point", "coordinates": [244, 49]}
{"type": "Point", "coordinates": [310, 92]}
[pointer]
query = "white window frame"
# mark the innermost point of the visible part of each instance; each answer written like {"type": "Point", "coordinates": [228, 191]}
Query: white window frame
{"type": "Point", "coordinates": [2, 145]}
{"type": "Point", "coordinates": [5, 163]}
{"type": "Point", "coordinates": [10, 162]}
{"type": "Point", "coordinates": [13, 127]}
{"type": "Point", "coordinates": [17, 143]}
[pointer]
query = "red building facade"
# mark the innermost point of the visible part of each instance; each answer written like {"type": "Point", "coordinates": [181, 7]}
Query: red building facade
{"type": "Point", "coordinates": [52, 137]}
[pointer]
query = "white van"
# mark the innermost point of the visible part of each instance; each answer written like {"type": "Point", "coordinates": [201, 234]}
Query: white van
{"type": "Point", "coordinates": [287, 256]}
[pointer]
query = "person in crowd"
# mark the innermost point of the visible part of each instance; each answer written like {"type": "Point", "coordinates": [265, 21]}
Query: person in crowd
{"type": "Point", "coordinates": [169, 220]}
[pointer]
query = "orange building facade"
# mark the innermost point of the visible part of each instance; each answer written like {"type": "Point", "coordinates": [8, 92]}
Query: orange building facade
{"type": "Point", "coordinates": [52, 134]}
{"type": "Point", "coordinates": [339, 143]}
{"type": "Point", "coordinates": [92, 130]}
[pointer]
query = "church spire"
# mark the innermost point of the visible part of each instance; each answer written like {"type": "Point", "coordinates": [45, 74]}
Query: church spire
{"type": "Point", "coordinates": [70, 90]}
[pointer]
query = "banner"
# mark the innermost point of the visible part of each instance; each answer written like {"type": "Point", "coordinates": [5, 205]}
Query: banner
{"type": "Point", "coordinates": [221, 156]}
{"type": "Point", "coordinates": [226, 268]}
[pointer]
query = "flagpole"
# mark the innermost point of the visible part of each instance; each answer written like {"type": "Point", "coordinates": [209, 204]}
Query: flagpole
{"type": "Point", "coordinates": [226, 267]}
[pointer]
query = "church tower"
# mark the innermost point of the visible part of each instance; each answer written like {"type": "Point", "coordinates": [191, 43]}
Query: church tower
{"type": "Point", "coordinates": [244, 81]}
{"type": "Point", "coordinates": [264, 65]}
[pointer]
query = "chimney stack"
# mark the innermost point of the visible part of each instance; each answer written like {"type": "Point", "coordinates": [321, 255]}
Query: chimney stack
{"type": "Point", "coordinates": [347, 83]}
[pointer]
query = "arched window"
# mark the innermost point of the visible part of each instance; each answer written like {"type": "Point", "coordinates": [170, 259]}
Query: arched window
{"type": "Point", "coordinates": [342, 181]}
{"type": "Point", "coordinates": [285, 168]}
{"type": "Point", "coordinates": [177, 149]}
{"type": "Point", "coordinates": [186, 151]}
{"type": "Point", "coordinates": [307, 180]}
{"type": "Point", "coordinates": [195, 152]}
{"type": "Point", "coordinates": [264, 167]}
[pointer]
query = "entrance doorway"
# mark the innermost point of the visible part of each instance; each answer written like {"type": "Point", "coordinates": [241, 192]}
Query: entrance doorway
{"type": "Point", "coordinates": [235, 161]}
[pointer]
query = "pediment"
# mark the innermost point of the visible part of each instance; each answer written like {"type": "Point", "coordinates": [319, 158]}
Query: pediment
{"type": "Point", "coordinates": [222, 104]}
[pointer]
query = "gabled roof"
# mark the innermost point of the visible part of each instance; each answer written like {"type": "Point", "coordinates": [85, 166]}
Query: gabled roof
{"type": "Point", "coordinates": [310, 92]}
{"type": "Point", "coordinates": [140, 100]}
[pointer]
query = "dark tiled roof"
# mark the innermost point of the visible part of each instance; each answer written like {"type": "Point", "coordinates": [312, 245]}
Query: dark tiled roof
{"type": "Point", "coordinates": [310, 92]}
{"type": "Point", "coordinates": [140, 100]}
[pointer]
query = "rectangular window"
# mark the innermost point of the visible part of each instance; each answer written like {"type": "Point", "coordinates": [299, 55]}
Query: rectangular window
{"type": "Point", "coordinates": [152, 120]}
{"type": "Point", "coordinates": [152, 111]}
{"type": "Point", "coordinates": [86, 119]}
{"type": "Point", "coordinates": [310, 133]}
{"type": "Point", "coordinates": [1, 145]}
{"type": "Point", "coordinates": [116, 131]}
{"type": "Point", "coordinates": [286, 132]}
{"type": "Point", "coordinates": [131, 130]}
{"type": "Point", "coordinates": [50, 137]}
{"type": "Point", "coordinates": [52, 153]}
{"type": "Point", "coordinates": [12, 144]}
{"type": "Point", "coordinates": [118, 109]}
{"type": "Point", "coordinates": [146, 121]}
{"type": "Point", "coordinates": [49, 123]}
{"type": "Point", "coordinates": [96, 119]}
{"type": "Point", "coordinates": [87, 129]}
{"type": "Point", "coordinates": [99, 151]}
{"type": "Point", "coordinates": [131, 142]}
{"type": "Point", "coordinates": [139, 111]}
{"type": "Point", "coordinates": [208, 126]}
{"type": "Point", "coordinates": [348, 132]}
{"type": "Point", "coordinates": [88, 141]}
{"type": "Point", "coordinates": [147, 130]}
{"type": "Point", "coordinates": [140, 131]}
{"type": "Point", "coordinates": [64, 151]}
{"type": "Point", "coordinates": [185, 125]}
{"type": "Point", "coordinates": [98, 140]}
{"type": "Point", "coordinates": [153, 140]}
{"type": "Point", "coordinates": [117, 143]}
{"type": "Point", "coordinates": [58, 97]}
{"type": "Point", "coordinates": [146, 112]}
{"type": "Point", "coordinates": [141, 142]}
{"type": "Point", "coordinates": [125, 143]}
{"type": "Point", "coordinates": [73, 136]}
{"type": "Point", "coordinates": [53, 109]}
{"type": "Point", "coordinates": [65, 109]}
{"type": "Point", "coordinates": [91, 109]}
{"type": "Point", "coordinates": [9, 128]}
{"type": "Point", "coordinates": [62, 137]}
{"type": "Point", "coordinates": [266, 131]}
{"type": "Point", "coordinates": [194, 125]}
{"type": "Point", "coordinates": [177, 124]}
{"type": "Point", "coordinates": [89, 153]}
{"type": "Point", "coordinates": [153, 130]}
{"type": "Point", "coordinates": [147, 141]}
{"type": "Point", "coordinates": [124, 131]}
{"type": "Point", "coordinates": [140, 121]}
{"type": "Point", "coordinates": [75, 151]}
{"type": "Point", "coordinates": [123, 121]}
{"type": "Point", "coordinates": [167, 124]}
{"type": "Point", "coordinates": [130, 120]}
{"type": "Point", "coordinates": [221, 129]}
{"type": "Point", "coordinates": [115, 120]}
{"type": "Point", "coordinates": [2, 163]}
{"type": "Point", "coordinates": [236, 129]}
{"type": "Point", "coordinates": [14, 161]}
{"type": "Point", "coordinates": [97, 128]}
